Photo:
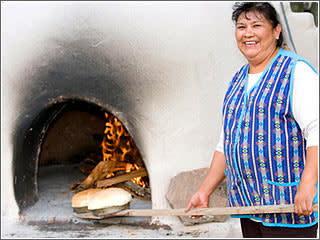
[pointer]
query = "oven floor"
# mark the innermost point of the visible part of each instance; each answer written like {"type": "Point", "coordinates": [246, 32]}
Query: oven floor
{"type": "Point", "coordinates": [51, 217]}
{"type": "Point", "coordinates": [54, 204]}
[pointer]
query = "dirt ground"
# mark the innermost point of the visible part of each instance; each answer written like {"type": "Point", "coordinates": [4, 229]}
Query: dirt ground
{"type": "Point", "coordinates": [74, 229]}
{"type": "Point", "coordinates": [52, 217]}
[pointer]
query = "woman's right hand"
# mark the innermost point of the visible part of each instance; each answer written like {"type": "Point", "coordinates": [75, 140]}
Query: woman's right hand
{"type": "Point", "coordinates": [198, 200]}
{"type": "Point", "coordinates": [214, 177]}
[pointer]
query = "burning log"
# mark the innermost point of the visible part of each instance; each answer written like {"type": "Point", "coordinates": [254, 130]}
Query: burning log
{"type": "Point", "coordinates": [119, 155]}
{"type": "Point", "coordinates": [122, 178]}
{"type": "Point", "coordinates": [136, 190]}
{"type": "Point", "coordinates": [102, 169]}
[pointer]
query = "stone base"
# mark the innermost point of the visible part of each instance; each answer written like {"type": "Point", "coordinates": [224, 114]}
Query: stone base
{"type": "Point", "coordinates": [185, 184]}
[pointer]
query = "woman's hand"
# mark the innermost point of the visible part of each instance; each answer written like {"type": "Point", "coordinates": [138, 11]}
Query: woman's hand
{"type": "Point", "coordinates": [198, 200]}
{"type": "Point", "coordinates": [213, 178]}
{"type": "Point", "coordinates": [307, 188]}
{"type": "Point", "coordinates": [303, 199]}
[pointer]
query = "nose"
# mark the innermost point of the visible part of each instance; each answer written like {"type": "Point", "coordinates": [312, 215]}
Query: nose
{"type": "Point", "coordinates": [249, 32]}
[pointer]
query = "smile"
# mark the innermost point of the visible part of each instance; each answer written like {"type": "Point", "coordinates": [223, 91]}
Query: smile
{"type": "Point", "coordinates": [251, 43]}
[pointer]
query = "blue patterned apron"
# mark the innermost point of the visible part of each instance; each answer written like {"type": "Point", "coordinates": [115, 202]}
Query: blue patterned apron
{"type": "Point", "coordinates": [264, 146]}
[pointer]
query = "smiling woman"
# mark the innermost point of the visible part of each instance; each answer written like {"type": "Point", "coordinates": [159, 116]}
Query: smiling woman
{"type": "Point", "coordinates": [268, 146]}
{"type": "Point", "coordinates": [257, 38]}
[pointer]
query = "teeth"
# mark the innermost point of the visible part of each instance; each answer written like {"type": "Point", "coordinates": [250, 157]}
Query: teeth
{"type": "Point", "coordinates": [250, 42]}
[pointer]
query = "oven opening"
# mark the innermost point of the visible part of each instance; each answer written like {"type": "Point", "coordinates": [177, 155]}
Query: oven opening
{"type": "Point", "coordinates": [74, 146]}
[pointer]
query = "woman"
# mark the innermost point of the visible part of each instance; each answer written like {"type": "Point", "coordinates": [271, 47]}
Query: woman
{"type": "Point", "coordinates": [268, 147]}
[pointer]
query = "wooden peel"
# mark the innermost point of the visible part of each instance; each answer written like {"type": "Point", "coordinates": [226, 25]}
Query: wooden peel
{"type": "Point", "coordinates": [205, 211]}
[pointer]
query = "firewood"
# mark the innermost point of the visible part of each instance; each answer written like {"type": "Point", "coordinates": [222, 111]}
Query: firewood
{"type": "Point", "coordinates": [122, 178]}
{"type": "Point", "coordinates": [86, 169]}
{"type": "Point", "coordinates": [102, 169]}
{"type": "Point", "coordinates": [74, 185]}
{"type": "Point", "coordinates": [136, 190]}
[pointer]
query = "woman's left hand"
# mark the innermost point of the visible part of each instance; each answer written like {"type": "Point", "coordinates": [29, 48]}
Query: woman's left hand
{"type": "Point", "coordinates": [303, 199]}
{"type": "Point", "coordinates": [307, 188]}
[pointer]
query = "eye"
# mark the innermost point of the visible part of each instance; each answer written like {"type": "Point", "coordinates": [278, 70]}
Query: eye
{"type": "Point", "coordinates": [257, 25]}
{"type": "Point", "coordinates": [240, 27]}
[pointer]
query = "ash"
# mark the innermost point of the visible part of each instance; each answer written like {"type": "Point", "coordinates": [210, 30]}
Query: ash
{"type": "Point", "coordinates": [55, 198]}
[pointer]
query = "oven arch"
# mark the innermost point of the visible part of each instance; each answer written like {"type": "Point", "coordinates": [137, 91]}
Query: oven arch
{"type": "Point", "coordinates": [29, 144]}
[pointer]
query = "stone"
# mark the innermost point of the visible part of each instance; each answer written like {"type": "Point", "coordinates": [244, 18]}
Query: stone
{"type": "Point", "coordinates": [185, 184]}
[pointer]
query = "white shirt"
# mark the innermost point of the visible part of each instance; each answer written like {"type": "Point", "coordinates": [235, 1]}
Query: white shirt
{"type": "Point", "coordinates": [305, 102]}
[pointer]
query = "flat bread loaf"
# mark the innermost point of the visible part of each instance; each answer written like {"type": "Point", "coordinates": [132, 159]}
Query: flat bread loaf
{"type": "Point", "coordinates": [110, 197]}
{"type": "Point", "coordinates": [81, 199]}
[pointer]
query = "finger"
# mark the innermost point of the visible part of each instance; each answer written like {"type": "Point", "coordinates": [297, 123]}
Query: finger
{"type": "Point", "coordinates": [188, 207]}
{"type": "Point", "coordinates": [309, 208]}
{"type": "Point", "coordinates": [300, 210]}
{"type": "Point", "coordinates": [304, 209]}
{"type": "Point", "coordinates": [195, 216]}
{"type": "Point", "coordinates": [296, 208]}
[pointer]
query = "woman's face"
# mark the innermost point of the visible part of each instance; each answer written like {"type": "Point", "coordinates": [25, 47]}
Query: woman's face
{"type": "Point", "coordinates": [256, 38]}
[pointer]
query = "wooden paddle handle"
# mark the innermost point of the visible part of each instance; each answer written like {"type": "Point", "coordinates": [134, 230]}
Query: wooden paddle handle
{"type": "Point", "coordinates": [210, 211]}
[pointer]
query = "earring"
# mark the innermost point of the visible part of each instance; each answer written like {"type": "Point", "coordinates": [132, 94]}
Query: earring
{"type": "Point", "coordinates": [277, 37]}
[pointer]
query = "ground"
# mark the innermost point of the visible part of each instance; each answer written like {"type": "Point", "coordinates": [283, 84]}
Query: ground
{"type": "Point", "coordinates": [52, 217]}
{"type": "Point", "coordinates": [78, 229]}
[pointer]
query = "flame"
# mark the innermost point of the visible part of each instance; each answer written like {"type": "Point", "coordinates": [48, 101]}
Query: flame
{"type": "Point", "coordinates": [138, 180]}
{"type": "Point", "coordinates": [110, 175]}
{"type": "Point", "coordinates": [117, 145]}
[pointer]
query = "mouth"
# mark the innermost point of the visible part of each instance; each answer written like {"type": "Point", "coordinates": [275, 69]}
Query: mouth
{"type": "Point", "coordinates": [250, 43]}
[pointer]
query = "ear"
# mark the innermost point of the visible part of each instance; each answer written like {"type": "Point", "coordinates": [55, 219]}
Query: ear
{"type": "Point", "coordinates": [277, 30]}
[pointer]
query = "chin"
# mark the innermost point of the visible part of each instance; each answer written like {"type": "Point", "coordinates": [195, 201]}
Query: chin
{"type": "Point", "coordinates": [249, 54]}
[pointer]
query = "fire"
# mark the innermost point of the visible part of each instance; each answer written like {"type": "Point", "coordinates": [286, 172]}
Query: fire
{"type": "Point", "coordinates": [109, 175]}
{"type": "Point", "coordinates": [138, 180]}
{"type": "Point", "coordinates": [117, 145]}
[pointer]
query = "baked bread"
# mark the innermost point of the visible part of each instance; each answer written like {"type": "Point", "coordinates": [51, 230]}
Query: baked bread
{"type": "Point", "coordinates": [81, 200]}
{"type": "Point", "coordinates": [109, 201]}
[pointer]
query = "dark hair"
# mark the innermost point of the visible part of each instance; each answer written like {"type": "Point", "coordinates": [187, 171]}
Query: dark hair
{"type": "Point", "coordinates": [264, 8]}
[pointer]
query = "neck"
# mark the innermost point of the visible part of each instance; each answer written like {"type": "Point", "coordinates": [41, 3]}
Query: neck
{"type": "Point", "coordinates": [259, 66]}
